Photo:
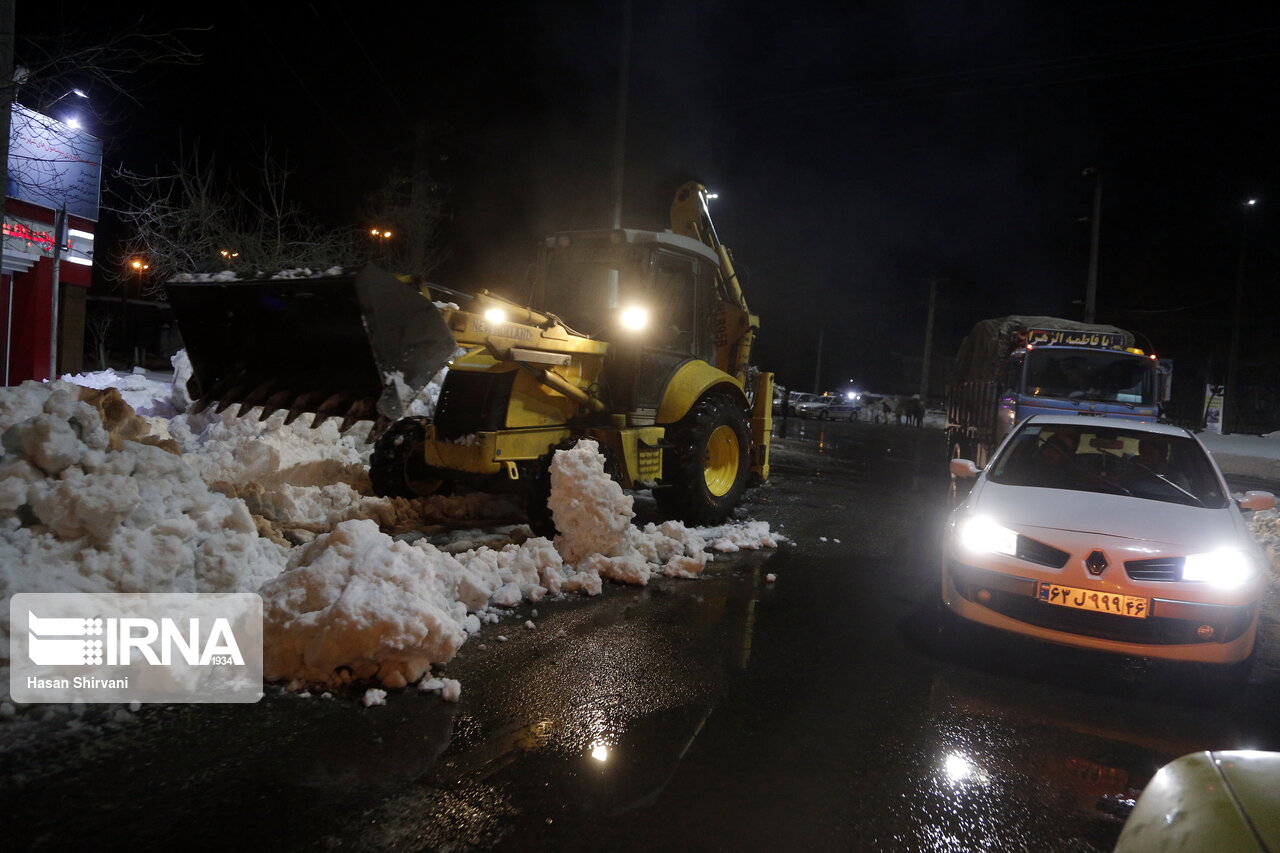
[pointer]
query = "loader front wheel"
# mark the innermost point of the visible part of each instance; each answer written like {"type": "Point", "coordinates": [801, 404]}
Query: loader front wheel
{"type": "Point", "coordinates": [397, 468]}
{"type": "Point", "coordinates": [707, 467]}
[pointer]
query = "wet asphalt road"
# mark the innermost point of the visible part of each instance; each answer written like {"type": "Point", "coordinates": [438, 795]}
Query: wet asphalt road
{"type": "Point", "coordinates": [819, 712]}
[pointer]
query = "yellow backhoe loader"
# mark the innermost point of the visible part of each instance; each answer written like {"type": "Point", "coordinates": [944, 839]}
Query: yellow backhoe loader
{"type": "Point", "coordinates": [642, 342]}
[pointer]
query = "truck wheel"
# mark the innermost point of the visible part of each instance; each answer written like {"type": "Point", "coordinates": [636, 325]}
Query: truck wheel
{"type": "Point", "coordinates": [396, 466]}
{"type": "Point", "coordinates": [707, 467]}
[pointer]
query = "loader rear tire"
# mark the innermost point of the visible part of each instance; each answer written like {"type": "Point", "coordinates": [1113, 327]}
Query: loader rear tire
{"type": "Point", "coordinates": [707, 468]}
{"type": "Point", "coordinates": [397, 468]}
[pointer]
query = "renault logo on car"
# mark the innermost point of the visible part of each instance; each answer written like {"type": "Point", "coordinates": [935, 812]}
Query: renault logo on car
{"type": "Point", "coordinates": [1096, 563]}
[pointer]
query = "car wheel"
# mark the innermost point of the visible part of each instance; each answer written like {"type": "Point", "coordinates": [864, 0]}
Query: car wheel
{"type": "Point", "coordinates": [708, 464]}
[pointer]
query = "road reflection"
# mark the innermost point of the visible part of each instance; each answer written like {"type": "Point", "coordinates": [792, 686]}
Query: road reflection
{"type": "Point", "coordinates": [600, 719]}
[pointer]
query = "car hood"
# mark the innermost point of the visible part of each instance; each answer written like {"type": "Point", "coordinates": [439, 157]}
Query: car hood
{"type": "Point", "coordinates": [1109, 515]}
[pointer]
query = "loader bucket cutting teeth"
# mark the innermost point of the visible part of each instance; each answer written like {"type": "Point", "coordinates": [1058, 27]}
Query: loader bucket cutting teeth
{"type": "Point", "coordinates": [328, 346]}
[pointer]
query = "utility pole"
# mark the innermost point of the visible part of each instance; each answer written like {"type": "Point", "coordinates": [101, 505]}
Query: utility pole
{"type": "Point", "coordinates": [817, 367]}
{"type": "Point", "coordinates": [620, 126]}
{"type": "Point", "coordinates": [928, 338]}
{"type": "Point", "coordinates": [59, 240]}
{"type": "Point", "coordinates": [1230, 401]}
{"type": "Point", "coordinates": [9, 87]}
{"type": "Point", "coordinates": [1091, 290]}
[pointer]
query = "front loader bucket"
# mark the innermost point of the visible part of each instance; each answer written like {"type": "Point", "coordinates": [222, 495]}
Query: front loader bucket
{"type": "Point", "coordinates": [324, 345]}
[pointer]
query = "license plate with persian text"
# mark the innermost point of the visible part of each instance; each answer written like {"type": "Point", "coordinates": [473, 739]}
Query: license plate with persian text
{"type": "Point", "coordinates": [1091, 599]}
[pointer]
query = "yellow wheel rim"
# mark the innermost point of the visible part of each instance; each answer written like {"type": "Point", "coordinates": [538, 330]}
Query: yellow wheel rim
{"type": "Point", "coordinates": [721, 467]}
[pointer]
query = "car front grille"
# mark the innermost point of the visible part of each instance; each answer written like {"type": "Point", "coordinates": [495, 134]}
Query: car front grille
{"type": "Point", "coordinates": [1156, 569]}
{"type": "Point", "coordinates": [1040, 553]}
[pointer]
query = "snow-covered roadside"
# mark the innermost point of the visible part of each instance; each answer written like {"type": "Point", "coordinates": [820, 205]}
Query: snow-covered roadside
{"type": "Point", "coordinates": [1245, 455]}
{"type": "Point", "coordinates": [98, 498]}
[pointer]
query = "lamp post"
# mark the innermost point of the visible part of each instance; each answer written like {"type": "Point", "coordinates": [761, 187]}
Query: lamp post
{"type": "Point", "coordinates": [71, 121]}
{"type": "Point", "coordinates": [1231, 403]}
{"type": "Point", "coordinates": [1091, 289]}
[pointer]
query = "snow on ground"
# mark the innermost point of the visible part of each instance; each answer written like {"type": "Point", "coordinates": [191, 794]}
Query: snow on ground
{"type": "Point", "coordinates": [83, 512]}
{"type": "Point", "coordinates": [99, 498]}
{"type": "Point", "coordinates": [1245, 455]}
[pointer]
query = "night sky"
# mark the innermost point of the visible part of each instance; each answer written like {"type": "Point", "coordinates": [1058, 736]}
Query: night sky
{"type": "Point", "coordinates": [858, 149]}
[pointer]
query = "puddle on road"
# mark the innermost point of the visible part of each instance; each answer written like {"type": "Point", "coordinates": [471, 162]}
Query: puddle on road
{"type": "Point", "coordinates": [592, 726]}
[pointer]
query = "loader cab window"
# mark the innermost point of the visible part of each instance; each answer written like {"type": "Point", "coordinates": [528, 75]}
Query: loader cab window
{"type": "Point", "coordinates": [674, 309]}
{"type": "Point", "coordinates": [586, 286]}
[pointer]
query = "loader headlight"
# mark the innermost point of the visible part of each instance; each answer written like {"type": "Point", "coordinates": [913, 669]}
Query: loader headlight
{"type": "Point", "coordinates": [983, 536]}
{"type": "Point", "coordinates": [1226, 567]}
{"type": "Point", "coordinates": [634, 318]}
{"type": "Point", "coordinates": [495, 316]}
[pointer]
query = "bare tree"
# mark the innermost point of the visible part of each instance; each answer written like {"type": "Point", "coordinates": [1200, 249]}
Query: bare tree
{"type": "Point", "coordinates": [414, 206]}
{"type": "Point", "coordinates": [99, 325]}
{"type": "Point", "coordinates": [195, 221]}
{"type": "Point", "coordinates": [68, 65]}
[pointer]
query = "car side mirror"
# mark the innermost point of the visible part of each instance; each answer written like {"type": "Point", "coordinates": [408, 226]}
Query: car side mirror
{"type": "Point", "coordinates": [1254, 500]}
{"type": "Point", "coordinates": [966, 469]}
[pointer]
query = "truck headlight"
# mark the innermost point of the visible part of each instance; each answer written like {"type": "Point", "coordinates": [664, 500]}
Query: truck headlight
{"type": "Point", "coordinates": [496, 316]}
{"type": "Point", "coordinates": [1226, 567]}
{"type": "Point", "coordinates": [983, 536]}
{"type": "Point", "coordinates": [634, 319]}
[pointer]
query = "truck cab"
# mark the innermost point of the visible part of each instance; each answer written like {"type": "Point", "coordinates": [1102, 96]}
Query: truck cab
{"type": "Point", "coordinates": [1011, 368]}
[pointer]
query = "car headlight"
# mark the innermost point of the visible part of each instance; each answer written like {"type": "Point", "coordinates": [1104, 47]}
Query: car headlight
{"type": "Point", "coordinates": [983, 536]}
{"type": "Point", "coordinates": [1226, 567]}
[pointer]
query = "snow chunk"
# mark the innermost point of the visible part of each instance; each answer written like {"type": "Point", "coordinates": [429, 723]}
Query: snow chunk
{"type": "Point", "coordinates": [590, 510]}
{"type": "Point", "coordinates": [354, 604]}
{"type": "Point", "coordinates": [374, 696]}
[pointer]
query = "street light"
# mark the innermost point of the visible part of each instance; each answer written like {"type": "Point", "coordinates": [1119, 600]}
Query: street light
{"type": "Point", "coordinates": [1231, 404]}
{"type": "Point", "coordinates": [1091, 289]}
{"type": "Point", "coordinates": [70, 121]}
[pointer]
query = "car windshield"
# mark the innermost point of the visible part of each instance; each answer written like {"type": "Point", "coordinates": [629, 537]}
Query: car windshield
{"type": "Point", "coordinates": [1114, 460]}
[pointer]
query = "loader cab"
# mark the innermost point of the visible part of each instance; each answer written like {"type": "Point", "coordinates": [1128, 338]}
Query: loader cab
{"type": "Point", "coordinates": [651, 295]}
{"type": "Point", "coordinates": [653, 288]}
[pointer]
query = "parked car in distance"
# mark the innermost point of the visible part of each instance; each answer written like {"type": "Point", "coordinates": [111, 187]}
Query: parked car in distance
{"type": "Point", "coordinates": [1224, 800]}
{"type": "Point", "coordinates": [1108, 534]}
{"type": "Point", "coordinates": [842, 408]}
{"type": "Point", "coordinates": [809, 405]}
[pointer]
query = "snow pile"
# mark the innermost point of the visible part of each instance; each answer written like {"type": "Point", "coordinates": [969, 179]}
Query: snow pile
{"type": "Point", "coordinates": [1265, 527]}
{"type": "Point", "coordinates": [92, 508]}
{"type": "Point", "coordinates": [229, 449]}
{"type": "Point", "coordinates": [147, 395]}
{"type": "Point", "coordinates": [356, 605]}
{"type": "Point", "coordinates": [594, 516]}
{"type": "Point", "coordinates": [84, 511]}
